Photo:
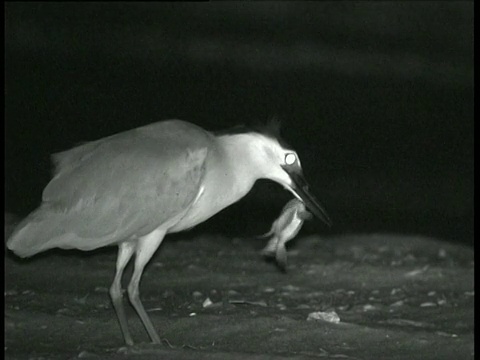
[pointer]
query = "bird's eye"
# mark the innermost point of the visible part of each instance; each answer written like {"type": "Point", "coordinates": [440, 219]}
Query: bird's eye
{"type": "Point", "coordinates": [290, 159]}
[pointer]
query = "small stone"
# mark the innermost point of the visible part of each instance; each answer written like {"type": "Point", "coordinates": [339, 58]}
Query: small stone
{"type": "Point", "coordinates": [405, 322]}
{"type": "Point", "coordinates": [395, 291]}
{"type": "Point", "coordinates": [443, 333]}
{"type": "Point", "coordinates": [85, 354]}
{"type": "Point", "coordinates": [192, 314]}
{"type": "Point", "coordinates": [269, 290]}
{"type": "Point", "coordinates": [328, 316]}
{"type": "Point", "coordinates": [207, 303]}
{"type": "Point", "coordinates": [101, 289]}
{"type": "Point", "coordinates": [397, 303]}
{"type": "Point", "coordinates": [303, 306]}
{"type": "Point", "coordinates": [154, 309]}
{"type": "Point", "coordinates": [432, 293]}
{"type": "Point", "coordinates": [197, 294]}
{"type": "Point", "coordinates": [441, 302]}
{"type": "Point", "coordinates": [103, 306]}
{"type": "Point", "coordinates": [416, 272]}
{"type": "Point", "coordinates": [290, 288]}
{"type": "Point", "coordinates": [261, 303]}
{"type": "Point", "coordinates": [428, 304]}
{"type": "Point", "coordinates": [368, 307]}
{"type": "Point", "coordinates": [123, 350]}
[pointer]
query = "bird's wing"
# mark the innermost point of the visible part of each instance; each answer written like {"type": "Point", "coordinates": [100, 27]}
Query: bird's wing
{"type": "Point", "coordinates": [127, 184]}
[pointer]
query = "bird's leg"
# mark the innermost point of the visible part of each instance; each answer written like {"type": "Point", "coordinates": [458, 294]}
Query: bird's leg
{"type": "Point", "coordinates": [145, 249]}
{"type": "Point", "coordinates": [125, 252]}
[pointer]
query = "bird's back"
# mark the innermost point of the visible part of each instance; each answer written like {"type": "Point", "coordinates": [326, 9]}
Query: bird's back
{"type": "Point", "coordinates": [116, 188]}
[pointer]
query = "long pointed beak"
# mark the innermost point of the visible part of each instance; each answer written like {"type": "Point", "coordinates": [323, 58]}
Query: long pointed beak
{"type": "Point", "coordinates": [301, 189]}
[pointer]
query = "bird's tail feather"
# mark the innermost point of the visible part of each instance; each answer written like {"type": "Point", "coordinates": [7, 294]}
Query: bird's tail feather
{"type": "Point", "coordinates": [45, 229]}
{"type": "Point", "coordinates": [34, 233]}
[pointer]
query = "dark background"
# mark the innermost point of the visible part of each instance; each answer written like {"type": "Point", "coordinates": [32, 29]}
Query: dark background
{"type": "Point", "coordinates": [376, 97]}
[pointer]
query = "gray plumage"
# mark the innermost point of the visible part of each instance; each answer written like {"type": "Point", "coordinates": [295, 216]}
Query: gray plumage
{"type": "Point", "coordinates": [97, 198]}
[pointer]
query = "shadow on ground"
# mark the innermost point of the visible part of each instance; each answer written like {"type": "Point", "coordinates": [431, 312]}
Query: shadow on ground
{"type": "Point", "coordinates": [213, 297]}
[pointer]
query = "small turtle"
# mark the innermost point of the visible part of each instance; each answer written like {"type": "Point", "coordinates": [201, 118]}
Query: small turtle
{"type": "Point", "coordinates": [284, 229]}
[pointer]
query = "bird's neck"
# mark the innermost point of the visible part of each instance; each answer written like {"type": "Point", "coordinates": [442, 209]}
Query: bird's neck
{"type": "Point", "coordinates": [231, 170]}
{"type": "Point", "coordinates": [241, 160]}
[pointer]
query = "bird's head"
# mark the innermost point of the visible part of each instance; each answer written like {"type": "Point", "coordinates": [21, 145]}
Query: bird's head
{"type": "Point", "coordinates": [280, 163]}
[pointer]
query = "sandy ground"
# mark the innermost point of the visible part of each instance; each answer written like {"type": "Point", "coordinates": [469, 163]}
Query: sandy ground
{"type": "Point", "coordinates": [397, 297]}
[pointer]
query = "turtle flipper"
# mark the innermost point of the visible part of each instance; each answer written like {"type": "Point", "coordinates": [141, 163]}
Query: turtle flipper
{"type": "Point", "coordinates": [271, 248]}
{"type": "Point", "coordinates": [304, 215]}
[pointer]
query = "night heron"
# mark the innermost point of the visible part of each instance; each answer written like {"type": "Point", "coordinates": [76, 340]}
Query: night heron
{"type": "Point", "coordinates": [133, 188]}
